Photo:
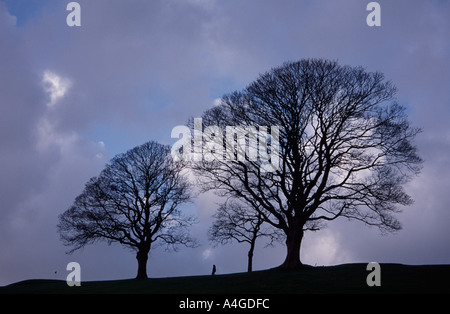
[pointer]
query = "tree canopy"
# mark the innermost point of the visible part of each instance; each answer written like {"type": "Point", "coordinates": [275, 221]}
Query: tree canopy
{"type": "Point", "coordinates": [135, 202]}
{"type": "Point", "coordinates": [344, 149]}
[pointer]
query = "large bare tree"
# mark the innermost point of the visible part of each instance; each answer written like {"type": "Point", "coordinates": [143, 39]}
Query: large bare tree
{"type": "Point", "coordinates": [343, 149]}
{"type": "Point", "coordinates": [135, 202]}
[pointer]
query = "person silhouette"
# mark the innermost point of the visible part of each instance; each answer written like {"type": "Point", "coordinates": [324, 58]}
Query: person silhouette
{"type": "Point", "coordinates": [213, 270]}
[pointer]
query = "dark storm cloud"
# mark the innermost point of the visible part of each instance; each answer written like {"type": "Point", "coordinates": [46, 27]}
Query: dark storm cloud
{"type": "Point", "coordinates": [134, 70]}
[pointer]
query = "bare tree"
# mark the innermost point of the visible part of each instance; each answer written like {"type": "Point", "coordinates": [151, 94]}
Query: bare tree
{"type": "Point", "coordinates": [237, 222]}
{"type": "Point", "coordinates": [344, 149]}
{"type": "Point", "coordinates": [135, 202]}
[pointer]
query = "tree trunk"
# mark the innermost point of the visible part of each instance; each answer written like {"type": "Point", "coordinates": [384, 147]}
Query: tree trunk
{"type": "Point", "coordinates": [293, 242]}
{"type": "Point", "coordinates": [250, 258]}
{"type": "Point", "coordinates": [142, 257]}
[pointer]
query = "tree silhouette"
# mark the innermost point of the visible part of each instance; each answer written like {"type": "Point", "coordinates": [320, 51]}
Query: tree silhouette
{"type": "Point", "coordinates": [134, 201]}
{"type": "Point", "coordinates": [237, 222]}
{"type": "Point", "coordinates": [345, 149]}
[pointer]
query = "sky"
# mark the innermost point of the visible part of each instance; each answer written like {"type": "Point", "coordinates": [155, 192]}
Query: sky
{"type": "Point", "coordinates": [71, 98]}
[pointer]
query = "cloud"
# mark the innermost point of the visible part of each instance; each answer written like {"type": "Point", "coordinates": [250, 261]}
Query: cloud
{"type": "Point", "coordinates": [206, 254]}
{"type": "Point", "coordinates": [55, 86]}
{"type": "Point", "coordinates": [325, 248]}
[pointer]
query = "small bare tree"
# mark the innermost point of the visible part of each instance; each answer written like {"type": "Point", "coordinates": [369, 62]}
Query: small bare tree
{"type": "Point", "coordinates": [235, 221]}
{"type": "Point", "coordinates": [135, 202]}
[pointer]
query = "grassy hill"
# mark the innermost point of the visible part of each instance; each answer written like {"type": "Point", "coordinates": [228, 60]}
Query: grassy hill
{"type": "Point", "coordinates": [346, 278]}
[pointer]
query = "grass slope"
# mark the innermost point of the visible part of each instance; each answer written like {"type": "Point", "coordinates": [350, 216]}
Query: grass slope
{"type": "Point", "coordinates": [346, 278]}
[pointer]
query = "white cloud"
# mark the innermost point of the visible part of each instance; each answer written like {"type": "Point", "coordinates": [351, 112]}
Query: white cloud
{"type": "Point", "coordinates": [324, 248]}
{"type": "Point", "coordinates": [206, 254]}
{"type": "Point", "coordinates": [48, 136]}
{"type": "Point", "coordinates": [56, 86]}
{"type": "Point", "coordinates": [101, 146]}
